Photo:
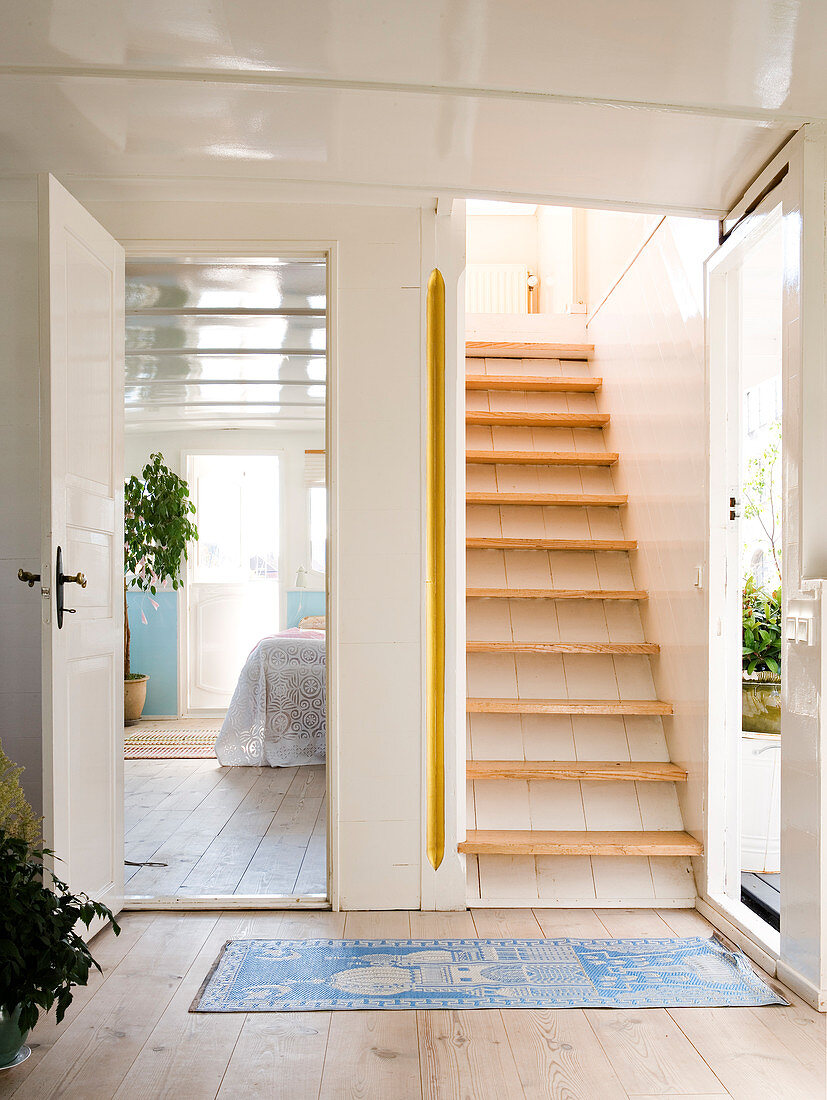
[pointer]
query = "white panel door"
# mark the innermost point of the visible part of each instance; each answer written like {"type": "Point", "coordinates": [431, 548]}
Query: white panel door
{"type": "Point", "coordinates": [82, 347]}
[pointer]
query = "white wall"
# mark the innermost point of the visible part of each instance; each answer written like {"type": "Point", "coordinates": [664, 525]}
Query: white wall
{"type": "Point", "coordinates": [375, 441]}
{"type": "Point", "coordinates": [803, 962]}
{"type": "Point", "coordinates": [20, 723]}
{"type": "Point", "coordinates": [502, 239]}
{"type": "Point", "coordinates": [556, 250]}
{"type": "Point", "coordinates": [649, 350]}
{"type": "Point", "coordinates": [612, 239]}
{"type": "Point", "coordinates": [374, 646]}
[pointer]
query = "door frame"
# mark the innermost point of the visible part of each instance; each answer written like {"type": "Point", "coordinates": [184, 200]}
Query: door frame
{"type": "Point", "coordinates": [204, 249]}
{"type": "Point", "coordinates": [723, 284]}
{"type": "Point", "coordinates": [798, 955]}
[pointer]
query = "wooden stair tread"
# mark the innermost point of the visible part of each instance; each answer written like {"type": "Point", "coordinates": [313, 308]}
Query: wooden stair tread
{"type": "Point", "coordinates": [526, 382]}
{"type": "Point", "coordinates": [483, 418]}
{"type": "Point", "coordinates": [511, 349]}
{"type": "Point", "coordinates": [542, 458]}
{"type": "Point", "coordinates": [567, 706]}
{"type": "Point", "coordinates": [561, 647]}
{"type": "Point", "coordinates": [544, 500]}
{"type": "Point", "coordinates": [556, 594]}
{"type": "Point", "coordinates": [549, 544]}
{"type": "Point", "coordinates": [650, 771]}
{"type": "Point", "coordinates": [651, 842]}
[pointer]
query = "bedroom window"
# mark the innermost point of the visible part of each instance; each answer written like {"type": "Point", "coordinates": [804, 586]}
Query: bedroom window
{"type": "Point", "coordinates": [318, 528]}
{"type": "Point", "coordinates": [314, 476]}
{"type": "Point", "coordinates": [233, 576]}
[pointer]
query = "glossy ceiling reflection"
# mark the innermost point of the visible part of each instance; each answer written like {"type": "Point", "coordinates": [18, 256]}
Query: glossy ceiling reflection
{"type": "Point", "coordinates": [213, 342]}
{"type": "Point", "coordinates": [661, 106]}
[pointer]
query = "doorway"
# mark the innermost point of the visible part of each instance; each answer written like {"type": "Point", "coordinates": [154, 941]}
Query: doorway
{"type": "Point", "coordinates": [225, 776]}
{"type": "Point", "coordinates": [746, 360]}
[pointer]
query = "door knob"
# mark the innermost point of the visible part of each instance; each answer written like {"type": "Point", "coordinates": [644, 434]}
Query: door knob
{"type": "Point", "coordinates": [29, 578]}
{"type": "Point", "coordinates": [77, 579]}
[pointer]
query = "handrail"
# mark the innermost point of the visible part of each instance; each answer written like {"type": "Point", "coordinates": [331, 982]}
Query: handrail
{"type": "Point", "coordinates": [435, 569]}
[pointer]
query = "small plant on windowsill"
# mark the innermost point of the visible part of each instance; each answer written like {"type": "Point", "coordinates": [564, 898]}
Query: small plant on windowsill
{"type": "Point", "coordinates": [42, 957]}
{"type": "Point", "coordinates": [157, 529]}
{"type": "Point", "coordinates": [761, 659]}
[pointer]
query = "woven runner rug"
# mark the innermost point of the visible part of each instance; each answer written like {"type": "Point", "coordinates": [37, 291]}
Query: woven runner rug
{"type": "Point", "coordinates": [186, 744]}
{"type": "Point", "coordinates": [324, 975]}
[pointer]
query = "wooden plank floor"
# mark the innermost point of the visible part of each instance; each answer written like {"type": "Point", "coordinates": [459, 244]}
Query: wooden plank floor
{"type": "Point", "coordinates": [224, 830]}
{"type": "Point", "coordinates": [129, 1034]}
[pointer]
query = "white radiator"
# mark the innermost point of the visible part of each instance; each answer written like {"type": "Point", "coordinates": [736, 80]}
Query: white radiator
{"type": "Point", "coordinates": [496, 288]}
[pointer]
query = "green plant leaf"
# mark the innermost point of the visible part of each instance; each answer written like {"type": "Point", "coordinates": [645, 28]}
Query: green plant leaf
{"type": "Point", "coordinates": [42, 957]}
{"type": "Point", "coordinates": [761, 629]}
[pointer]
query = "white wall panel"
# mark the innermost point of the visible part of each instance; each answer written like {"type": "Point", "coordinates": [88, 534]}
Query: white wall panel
{"type": "Point", "coordinates": [649, 350]}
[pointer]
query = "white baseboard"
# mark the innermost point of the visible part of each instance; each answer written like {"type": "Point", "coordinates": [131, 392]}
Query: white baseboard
{"type": "Point", "coordinates": [227, 901]}
{"type": "Point", "coordinates": [740, 937]}
{"type": "Point", "coordinates": [582, 903]}
{"type": "Point", "coordinates": [802, 986]}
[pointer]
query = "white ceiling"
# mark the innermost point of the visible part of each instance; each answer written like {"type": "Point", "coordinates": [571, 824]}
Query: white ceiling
{"type": "Point", "coordinates": [655, 103]}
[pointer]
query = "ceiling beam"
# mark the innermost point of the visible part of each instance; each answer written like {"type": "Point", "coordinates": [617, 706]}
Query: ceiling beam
{"type": "Point", "coordinates": [307, 383]}
{"type": "Point", "coordinates": [279, 79]}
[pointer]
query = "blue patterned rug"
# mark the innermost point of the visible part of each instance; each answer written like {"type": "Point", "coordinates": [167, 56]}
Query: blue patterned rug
{"type": "Point", "coordinates": [302, 975]}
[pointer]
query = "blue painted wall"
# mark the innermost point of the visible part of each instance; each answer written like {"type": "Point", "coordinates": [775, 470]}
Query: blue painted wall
{"type": "Point", "coordinates": [154, 649]}
{"type": "Point", "coordinates": [301, 602]}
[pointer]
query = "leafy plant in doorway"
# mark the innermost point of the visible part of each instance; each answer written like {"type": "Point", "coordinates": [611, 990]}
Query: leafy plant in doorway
{"type": "Point", "coordinates": [761, 659]}
{"type": "Point", "coordinates": [157, 530]}
{"type": "Point", "coordinates": [762, 629]}
{"type": "Point", "coordinates": [42, 957]}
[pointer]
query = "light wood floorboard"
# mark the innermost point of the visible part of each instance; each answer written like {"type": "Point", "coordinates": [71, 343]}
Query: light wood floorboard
{"type": "Point", "coordinates": [129, 1034]}
{"type": "Point", "coordinates": [252, 831]}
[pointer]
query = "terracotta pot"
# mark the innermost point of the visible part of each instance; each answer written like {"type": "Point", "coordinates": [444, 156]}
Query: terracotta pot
{"type": "Point", "coordinates": [12, 1038]}
{"type": "Point", "coordinates": [134, 697]}
{"type": "Point", "coordinates": [761, 703]}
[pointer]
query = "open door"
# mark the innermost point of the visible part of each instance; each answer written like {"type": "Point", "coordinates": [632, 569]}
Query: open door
{"type": "Point", "coordinates": [753, 286]}
{"type": "Point", "coordinates": [81, 416]}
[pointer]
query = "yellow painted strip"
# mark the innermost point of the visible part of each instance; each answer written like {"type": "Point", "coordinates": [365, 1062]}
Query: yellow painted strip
{"type": "Point", "coordinates": [435, 569]}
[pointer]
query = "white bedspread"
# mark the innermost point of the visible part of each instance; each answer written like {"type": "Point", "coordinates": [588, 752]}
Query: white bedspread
{"type": "Point", "coordinates": [277, 714]}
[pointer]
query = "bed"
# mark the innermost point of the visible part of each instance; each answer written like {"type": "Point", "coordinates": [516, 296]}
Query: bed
{"type": "Point", "coordinates": [277, 713]}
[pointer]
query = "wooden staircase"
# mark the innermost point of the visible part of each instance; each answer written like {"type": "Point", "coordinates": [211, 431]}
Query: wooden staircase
{"type": "Point", "coordinates": [547, 563]}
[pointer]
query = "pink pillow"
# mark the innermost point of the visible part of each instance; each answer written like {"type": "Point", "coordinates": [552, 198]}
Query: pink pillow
{"type": "Point", "coordinates": [312, 622]}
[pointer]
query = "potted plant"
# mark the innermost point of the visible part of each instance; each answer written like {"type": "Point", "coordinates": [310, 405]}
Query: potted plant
{"type": "Point", "coordinates": [761, 660]}
{"type": "Point", "coordinates": [42, 957]}
{"type": "Point", "coordinates": [157, 529]}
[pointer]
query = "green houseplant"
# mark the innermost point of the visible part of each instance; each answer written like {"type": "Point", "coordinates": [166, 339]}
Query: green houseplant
{"type": "Point", "coordinates": [42, 957]}
{"type": "Point", "coordinates": [157, 529]}
{"type": "Point", "coordinates": [761, 659]}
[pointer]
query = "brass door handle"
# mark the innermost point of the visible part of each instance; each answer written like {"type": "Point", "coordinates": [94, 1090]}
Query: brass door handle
{"type": "Point", "coordinates": [28, 578]}
{"type": "Point", "coordinates": [62, 579]}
